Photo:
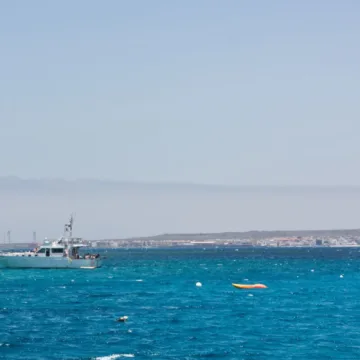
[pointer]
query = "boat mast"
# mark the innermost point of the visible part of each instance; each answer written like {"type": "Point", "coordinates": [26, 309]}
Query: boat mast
{"type": "Point", "coordinates": [68, 235]}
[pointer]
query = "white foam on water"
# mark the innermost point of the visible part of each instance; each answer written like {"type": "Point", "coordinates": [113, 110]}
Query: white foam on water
{"type": "Point", "coordinates": [139, 280]}
{"type": "Point", "coordinates": [115, 356]}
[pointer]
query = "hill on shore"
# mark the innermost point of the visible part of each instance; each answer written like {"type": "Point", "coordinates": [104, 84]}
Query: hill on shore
{"type": "Point", "coordinates": [252, 235]}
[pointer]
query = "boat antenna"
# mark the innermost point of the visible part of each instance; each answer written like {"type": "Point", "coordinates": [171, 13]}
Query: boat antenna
{"type": "Point", "coordinates": [69, 226]}
{"type": "Point", "coordinates": [71, 222]}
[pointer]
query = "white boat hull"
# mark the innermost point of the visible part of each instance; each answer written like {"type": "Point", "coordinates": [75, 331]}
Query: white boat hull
{"type": "Point", "coordinates": [31, 262]}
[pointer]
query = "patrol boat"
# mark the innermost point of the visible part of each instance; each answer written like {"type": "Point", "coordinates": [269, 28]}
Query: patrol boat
{"type": "Point", "coordinates": [53, 254]}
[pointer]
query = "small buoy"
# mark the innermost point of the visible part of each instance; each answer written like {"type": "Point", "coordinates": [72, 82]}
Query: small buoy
{"type": "Point", "coordinates": [198, 284]}
{"type": "Point", "coordinates": [122, 319]}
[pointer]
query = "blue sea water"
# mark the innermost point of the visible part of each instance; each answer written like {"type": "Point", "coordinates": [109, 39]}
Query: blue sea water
{"type": "Point", "coordinates": [310, 310]}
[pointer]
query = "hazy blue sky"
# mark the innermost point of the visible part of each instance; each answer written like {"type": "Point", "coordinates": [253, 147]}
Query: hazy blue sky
{"type": "Point", "coordinates": [231, 92]}
{"type": "Point", "coordinates": [112, 213]}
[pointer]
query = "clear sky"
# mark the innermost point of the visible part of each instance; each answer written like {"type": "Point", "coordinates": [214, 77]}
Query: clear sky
{"type": "Point", "coordinates": [205, 91]}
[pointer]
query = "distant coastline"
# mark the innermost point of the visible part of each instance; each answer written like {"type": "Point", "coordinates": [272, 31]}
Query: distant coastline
{"type": "Point", "coordinates": [279, 238]}
{"type": "Point", "coordinates": [276, 238]}
{"type": "Point", "coordinates": [253, 234]}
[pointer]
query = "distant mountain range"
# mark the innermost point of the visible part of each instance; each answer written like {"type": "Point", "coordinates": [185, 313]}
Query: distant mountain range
{"type": "Point", "coordinates": [10, 183]}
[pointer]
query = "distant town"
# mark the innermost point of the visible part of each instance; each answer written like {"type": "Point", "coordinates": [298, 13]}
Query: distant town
{"type": "Point", "coordinates": [305, 238]}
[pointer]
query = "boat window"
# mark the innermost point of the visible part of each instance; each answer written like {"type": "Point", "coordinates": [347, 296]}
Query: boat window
{"type": "Point", "coordinates": [57, 251]}
{"type": "Point", "coordinates": [41, 251]}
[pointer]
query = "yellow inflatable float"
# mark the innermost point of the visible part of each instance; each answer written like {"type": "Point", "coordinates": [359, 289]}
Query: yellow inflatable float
{"type": "Point", "coordinates": [248, 286]}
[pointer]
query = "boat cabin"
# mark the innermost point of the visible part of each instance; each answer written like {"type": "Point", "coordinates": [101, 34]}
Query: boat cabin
{"type": "Point", "coordinates": [57, 249]}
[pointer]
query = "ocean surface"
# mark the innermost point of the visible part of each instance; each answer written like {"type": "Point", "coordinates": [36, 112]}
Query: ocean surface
{"type": "Point", "coordinates": [310, 310]}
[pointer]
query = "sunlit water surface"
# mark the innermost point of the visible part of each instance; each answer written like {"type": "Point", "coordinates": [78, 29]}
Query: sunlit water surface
{"type": "Point", "coordinates": [311, 309]}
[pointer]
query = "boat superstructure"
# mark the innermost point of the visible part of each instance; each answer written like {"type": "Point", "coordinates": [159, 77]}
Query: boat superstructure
{"type": "Point", "coordinates": [62, 253]}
